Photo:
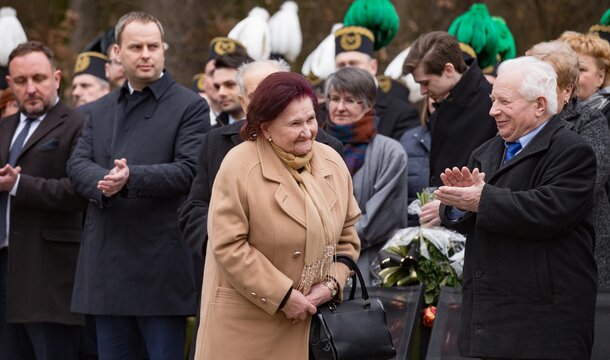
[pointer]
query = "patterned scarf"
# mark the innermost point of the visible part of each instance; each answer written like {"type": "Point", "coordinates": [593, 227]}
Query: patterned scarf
{"type": "Point", "coordinates": [599, 99]}
{"type": "Point", "coordinates": [320, 244]}
{"type": "Point", "coordinates": [355, 138]}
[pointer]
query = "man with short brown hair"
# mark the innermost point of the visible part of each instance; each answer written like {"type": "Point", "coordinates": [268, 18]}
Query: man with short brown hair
{"type": "Point", "coordinates": [460, 121]}
{"type": "Point", "coordinates": [135, 163]}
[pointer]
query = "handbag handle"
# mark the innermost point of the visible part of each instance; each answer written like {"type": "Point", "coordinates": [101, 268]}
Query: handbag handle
{"type": "Point", "coordinates": [351, 264]}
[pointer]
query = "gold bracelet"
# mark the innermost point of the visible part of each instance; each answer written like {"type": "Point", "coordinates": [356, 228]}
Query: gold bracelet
{"type": "Point", "coordinates": [331, 284]}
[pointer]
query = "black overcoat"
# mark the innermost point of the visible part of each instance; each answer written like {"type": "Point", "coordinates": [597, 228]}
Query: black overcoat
{"type": "Point", "coordinates": [529, 275]}
{"type": "Point", "coordinates": [460, 123]}
{"type": "Point", "coordinates": [132, 259]}
{"type": "Point", "coordinates": [46, 220]}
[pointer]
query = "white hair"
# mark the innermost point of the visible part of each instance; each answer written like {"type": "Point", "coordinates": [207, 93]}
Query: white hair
{"type": "Point", "coordinates": [538, 79]}
{"type": "Point", "coordinates": [278, 65]}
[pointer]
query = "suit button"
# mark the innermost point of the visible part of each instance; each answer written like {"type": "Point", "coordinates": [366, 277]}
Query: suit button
{"type": "Point", "coordinates": [263, 300]}
{"type": "Point", "coordinates": [478, 274]}
{"type": "Point", "coordinates": [296, 254]}
{"type": "Point", "coordinates": [253, 293]}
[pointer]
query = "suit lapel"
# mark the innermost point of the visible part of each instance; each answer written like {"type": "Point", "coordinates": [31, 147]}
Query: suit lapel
{"type": "Point", "coordinates": [53, 119]}
{"type": "Point", "coordinates": [539, 143]}
{"type": "Point", "coordinates": [6, 136]}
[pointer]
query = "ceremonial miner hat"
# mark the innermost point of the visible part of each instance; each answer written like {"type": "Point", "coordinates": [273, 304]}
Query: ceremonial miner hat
{"type": "Point", "coordinates": [476, 29]}
{"type": "Point", "coordinates": [91, 63]}
{"type": "Point", "coordinates": [379, 16]}
{"type": "Point", "coordinates": [354, 38]}
{"type": "Point", "coordinates": [198, 80]}
{"type": "Point", "coordinates": [603, 28]}
{"type": "Point", "coordinates": [253, 32]}
{"type": "Point", "coordinates": [285, 31]}
{"type": "Point", "coordinates": [223, 45]}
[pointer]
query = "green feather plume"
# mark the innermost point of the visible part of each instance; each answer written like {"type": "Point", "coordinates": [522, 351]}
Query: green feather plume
{"type": "Point", "coordinates": [477, 29]}
{"type": "Point", "coordinates": [605, 20]}
{"type": "Point", "coordinates": [379, 16]}
{"type": "Point", "coordinates": [506, 42]}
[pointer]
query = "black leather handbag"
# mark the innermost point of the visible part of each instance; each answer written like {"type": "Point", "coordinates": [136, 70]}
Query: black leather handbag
{"type": "Point", "coordinates": [353, 329]}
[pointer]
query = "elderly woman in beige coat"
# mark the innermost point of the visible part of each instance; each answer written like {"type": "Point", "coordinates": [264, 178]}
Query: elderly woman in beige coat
{"type": "Point", "coordinates": [282, 206]}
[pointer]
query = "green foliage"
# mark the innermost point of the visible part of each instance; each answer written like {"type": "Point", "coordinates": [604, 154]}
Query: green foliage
{"type": "Point", "coordinates": [433, 273]}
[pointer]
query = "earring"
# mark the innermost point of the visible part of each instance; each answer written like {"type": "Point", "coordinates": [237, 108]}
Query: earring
{"type": "Point", "coordinates": [270, 139]}
{"type": "Point", "coordinates": [565, 102]}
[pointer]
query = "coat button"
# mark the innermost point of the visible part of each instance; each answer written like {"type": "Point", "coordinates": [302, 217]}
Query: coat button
{"type": "Point", "coordinates": [478, 274]}
{"type": "Point", "coordinates": [253, 293]}
{"type": "Point", "coordinates": [296, 254]}
{"type": "Point", "coordinates": [263, 300]}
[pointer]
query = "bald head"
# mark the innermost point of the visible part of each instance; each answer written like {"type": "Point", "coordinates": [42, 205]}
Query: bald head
{"type": "Point", "coordinates": [251, 74]}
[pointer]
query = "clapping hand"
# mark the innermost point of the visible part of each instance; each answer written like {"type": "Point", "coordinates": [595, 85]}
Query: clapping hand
{"type": "Point", "coordinates": [462, 189]}
{"type": "Point", "coordinates": [116, 178]}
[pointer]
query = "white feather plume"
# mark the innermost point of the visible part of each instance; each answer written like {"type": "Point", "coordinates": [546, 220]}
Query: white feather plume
{"type": "Point", "coordinates": [253, 33]}
{"type": "Point", "coordinates": [11, 33]}
{"type": "Point", "coordinates": [394, 70]}
{"type": "Point", "coordinates": [321, 61]}
{"type": "Point", "coordinates": [285, 30]}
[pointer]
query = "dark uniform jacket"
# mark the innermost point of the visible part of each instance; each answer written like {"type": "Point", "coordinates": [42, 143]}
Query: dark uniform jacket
{"type": "Point", "coordinates": [193, 214]}
{"type": "Point", "coordinates": [529, 275]}
{"type": "Point", "coordinates": [132, 259]}
{"type": "Point", "coordinates": [46, 220]}
{"type": "Point", "coordinates": [460, 123]}
{"type": "Point", "coordinates": [395, 116]}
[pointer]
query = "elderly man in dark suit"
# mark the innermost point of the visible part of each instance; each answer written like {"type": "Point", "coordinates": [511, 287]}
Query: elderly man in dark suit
{"type": "Point", "coordinates": [40, 213]}
{"type": "Point", "coordinates": [135, 163]}
{"type": "Point", "coordinates": [529, 275]}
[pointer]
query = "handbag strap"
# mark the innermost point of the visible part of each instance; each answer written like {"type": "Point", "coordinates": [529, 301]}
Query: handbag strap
{"type": "Point", "coordinates": [351, 264]}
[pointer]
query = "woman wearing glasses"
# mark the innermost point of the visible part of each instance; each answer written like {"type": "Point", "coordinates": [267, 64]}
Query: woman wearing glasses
{"type": "Point", "coordinates": [378, 164]}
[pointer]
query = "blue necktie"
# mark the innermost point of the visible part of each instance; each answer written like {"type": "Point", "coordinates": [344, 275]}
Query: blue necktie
{"type": "Point", "coordinates": [12, 159]}
{"type": "Point", "coordinates": [511, 149]}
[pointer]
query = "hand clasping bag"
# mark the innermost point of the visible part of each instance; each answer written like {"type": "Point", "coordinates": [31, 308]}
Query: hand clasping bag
{"type": "Point", "coordinates": [352, 330]}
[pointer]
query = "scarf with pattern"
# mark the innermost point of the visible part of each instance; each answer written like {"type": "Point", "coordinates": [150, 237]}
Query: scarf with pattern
{"type": "Point", "coordinates": [355, 138]}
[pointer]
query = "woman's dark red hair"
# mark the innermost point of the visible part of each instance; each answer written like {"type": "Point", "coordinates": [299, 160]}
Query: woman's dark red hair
{"type": "Point", "coordinates": [271, 97]}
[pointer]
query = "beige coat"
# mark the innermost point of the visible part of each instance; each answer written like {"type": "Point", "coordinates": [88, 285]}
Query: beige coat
{"type": "Point", "coordinates": [255, 251]}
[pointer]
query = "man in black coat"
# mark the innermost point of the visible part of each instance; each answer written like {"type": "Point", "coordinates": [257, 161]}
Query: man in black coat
{"type": "Point", "coordinates": [461, 121]}
{"type": "Point", "coordinates": [40, 242]}
{"type": "Point", "coordinates": [530, 278]}
{"type": "Point", "coordinates": [135, 163]}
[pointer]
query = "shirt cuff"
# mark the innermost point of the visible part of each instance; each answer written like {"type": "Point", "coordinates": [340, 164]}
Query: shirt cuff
{"type": "Point", "coordinates": [454, 214]}
{"type": "Point", "coordinates": [13, 191]}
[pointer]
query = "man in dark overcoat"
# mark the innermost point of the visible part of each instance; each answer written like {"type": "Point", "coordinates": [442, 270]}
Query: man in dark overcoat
{"type": "Point", "coordinates": [135, 163]}
{"type": "Point", "coordinates": [525, 202]}
{"type": "Point", "coordinates": [460, 121]}
{"type": "Point", "coordinates": [40, 213]}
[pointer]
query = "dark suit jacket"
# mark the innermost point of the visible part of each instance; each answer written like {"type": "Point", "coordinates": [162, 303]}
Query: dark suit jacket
{"type": "Point", "coordinates": [193, 214]}
{"type": "Point", "coordinates": [395, 116]}
{"type": "Point", "coordinates": [133, 260]}
{"type": "Point", "coordinates": [46, 220]}
{"type": "Point", "coordinates": [529, 274]}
